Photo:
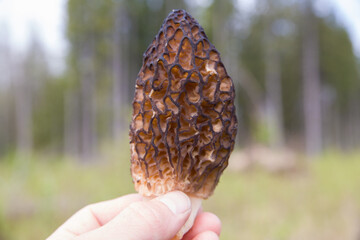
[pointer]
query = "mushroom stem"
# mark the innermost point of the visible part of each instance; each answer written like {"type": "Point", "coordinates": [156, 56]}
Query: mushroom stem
{"type": "Point", "coordinates": [195, 206]}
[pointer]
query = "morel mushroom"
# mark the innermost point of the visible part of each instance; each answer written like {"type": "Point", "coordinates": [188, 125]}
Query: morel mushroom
{"type": "Point", "coordinates": [184, 124]}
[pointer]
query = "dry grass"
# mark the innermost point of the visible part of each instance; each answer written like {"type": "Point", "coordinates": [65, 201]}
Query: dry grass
{"type": "Point", "coordinates": [321, 203]}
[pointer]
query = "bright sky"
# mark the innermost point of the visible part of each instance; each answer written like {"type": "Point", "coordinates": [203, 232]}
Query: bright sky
{"type": "Point", "coordinates": [349, 13]}
{"type": "Point", "coordinates": [48, 17]}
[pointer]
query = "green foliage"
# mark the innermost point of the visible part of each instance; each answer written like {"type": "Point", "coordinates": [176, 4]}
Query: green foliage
{"type": "Point", "coordinates": [337, 60]}
{"type": "Point", "coordinates": [339, 70]}
{"type": "Point", "coordinates": [49, 115]}
{"type": "Point", "coordinates": [261, 132]}
{"type": "Point", "coordinates": [91, 29]}
{"type": "Point", "coordinates": [252, 54]}
{"type": "Point", "coordinates": [90, 23]}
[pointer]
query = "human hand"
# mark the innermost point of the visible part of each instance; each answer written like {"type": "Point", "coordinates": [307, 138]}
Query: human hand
{"type": "Point", "coordinates": [132, 218]}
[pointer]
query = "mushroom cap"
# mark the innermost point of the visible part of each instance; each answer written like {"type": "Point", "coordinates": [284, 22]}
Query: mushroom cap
{"type": "Point", "coordinates": [183, 124]}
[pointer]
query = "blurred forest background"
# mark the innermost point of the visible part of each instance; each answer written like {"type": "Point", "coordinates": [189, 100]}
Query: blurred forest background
{"type": "Point", "coordinates": [297, 81]}
{"type": "Point", "coordinates": [297, 78]}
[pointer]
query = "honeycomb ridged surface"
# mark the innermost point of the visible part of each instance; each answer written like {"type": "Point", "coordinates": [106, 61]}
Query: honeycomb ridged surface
{"type": "Point", "coordinates": [183, 124]}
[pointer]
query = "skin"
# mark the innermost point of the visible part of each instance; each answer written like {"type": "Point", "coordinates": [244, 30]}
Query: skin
{"type": "Point", "coordinates": [131, 217]}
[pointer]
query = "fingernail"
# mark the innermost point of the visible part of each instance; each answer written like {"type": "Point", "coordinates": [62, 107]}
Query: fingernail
{"type": "Point", "coordinates": [178, 202]}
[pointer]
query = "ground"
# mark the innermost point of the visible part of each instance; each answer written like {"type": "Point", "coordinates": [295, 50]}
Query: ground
{"type": "Point", "coordinates": [320, 202]}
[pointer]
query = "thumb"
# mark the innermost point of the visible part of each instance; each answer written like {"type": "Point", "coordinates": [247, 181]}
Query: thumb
{"type": "Point", "coordinates": [158, 219]}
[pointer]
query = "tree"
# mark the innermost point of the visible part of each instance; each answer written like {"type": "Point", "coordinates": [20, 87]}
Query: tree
{"type": "Point", "coordinates": [311, 81]}
{"type": "Point", "coordinates": [317, 68]}
{"type": "Point", "coordinates": [89, 32]}
{"type": "Point", "coordinates": [6, 102]}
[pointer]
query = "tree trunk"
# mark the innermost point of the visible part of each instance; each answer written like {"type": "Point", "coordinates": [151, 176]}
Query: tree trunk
{"type": "Point", "coordinates": [120, 74]}
{"type": "Point", "coordinates": [88, 108]}
{"type": "Point", "coordinates": [352, 125]}
{"type": "Point", "coordinates": [4, 124]}
{"type": "Point", "coordinates": [329, 112]}
{"type": "Point", "coordinates": [311, 81]}
{"type": "Point", "coordinates": [5, 93]}
{"type": "Point", "coordinates": [23, 113]}
{"type": "Point", "coordinates": [71, 125]}
{"type": "Point", "coordinates": [273, 93]}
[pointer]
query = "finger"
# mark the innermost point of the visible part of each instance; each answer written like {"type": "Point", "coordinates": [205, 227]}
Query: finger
{"type": "Point", "coordinates": [93, 216]}
{"type": "Point", "coordinates": [205, 221]}
{"type": "Point", "coordinates": [208, 235]}
{"type": "Point", "coordinates": [107, 210]}
{"type": "Point", "coordinates": [160, 219]}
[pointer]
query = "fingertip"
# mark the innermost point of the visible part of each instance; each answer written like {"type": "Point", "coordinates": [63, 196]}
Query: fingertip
{"type": "Point", "coordinates": [204, 222]}
{"type": "Point", "coordinates": [208, 235]}
{"type": "Point", "coordinates": [212, 221]}
{"type": "Point", "coordinates": [177, 202]}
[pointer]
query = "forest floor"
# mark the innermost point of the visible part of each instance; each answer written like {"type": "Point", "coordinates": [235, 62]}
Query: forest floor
{"type": "Point", "coordinates": [322, 201]}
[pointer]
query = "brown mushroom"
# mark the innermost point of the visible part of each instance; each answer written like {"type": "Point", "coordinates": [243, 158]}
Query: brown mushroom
{"type": "Point", "coordinates": [184, 124]}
